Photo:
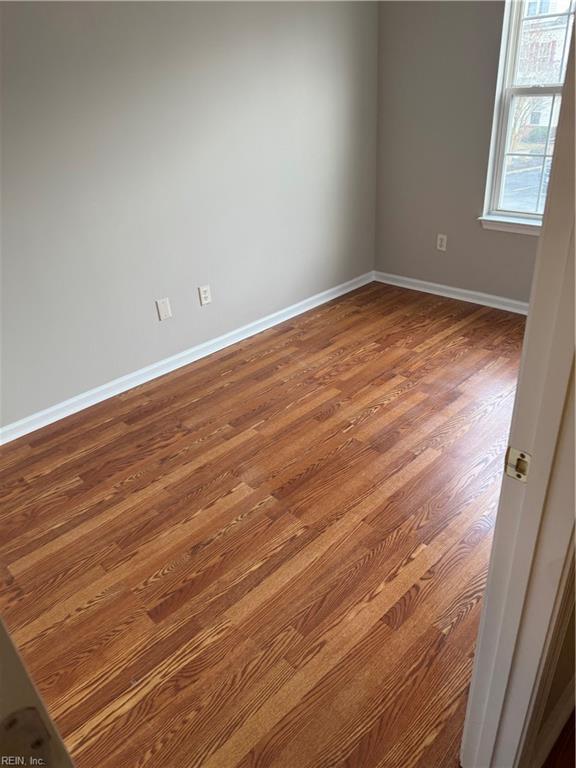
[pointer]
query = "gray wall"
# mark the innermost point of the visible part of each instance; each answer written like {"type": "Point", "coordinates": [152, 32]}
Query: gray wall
{"type": "Point", "coordinates": [438, 67]}
{"type": "Point", "coordinates": [149, 148]}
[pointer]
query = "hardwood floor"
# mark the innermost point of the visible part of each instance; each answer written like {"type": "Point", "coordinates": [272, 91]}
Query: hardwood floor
{"type": "Point", "coordinates": [274, 556]}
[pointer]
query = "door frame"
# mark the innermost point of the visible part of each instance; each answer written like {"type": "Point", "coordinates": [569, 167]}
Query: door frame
{"type": "Point", "coordinates": [531, 551]}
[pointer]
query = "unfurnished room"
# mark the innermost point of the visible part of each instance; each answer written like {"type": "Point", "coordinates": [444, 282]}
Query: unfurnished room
{"type": "Point", "coordinates": [287, 384]}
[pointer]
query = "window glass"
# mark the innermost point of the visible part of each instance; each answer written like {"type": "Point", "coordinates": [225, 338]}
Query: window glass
{"type": "Point", "coordinates": [534, 65]}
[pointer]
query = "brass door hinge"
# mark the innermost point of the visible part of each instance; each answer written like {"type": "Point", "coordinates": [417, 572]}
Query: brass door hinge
{"type": "Point", "coordinates": [517, 464]}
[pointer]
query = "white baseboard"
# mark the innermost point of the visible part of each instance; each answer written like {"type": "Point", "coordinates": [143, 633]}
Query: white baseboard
{"type": "Point", "coordinates": [552, 727]}
{"type": "Point", "coordinates": [486, 299]}
{"type": "Point", "coordinates": [98, 394]}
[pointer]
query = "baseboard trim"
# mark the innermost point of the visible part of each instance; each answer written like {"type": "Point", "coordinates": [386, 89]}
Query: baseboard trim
{"type": "Point", "coordinates": [486, 299]}
{"type": "Point", "coordinates": [552, 727]}
{"type": "Point", "coordinates": [93, 396]}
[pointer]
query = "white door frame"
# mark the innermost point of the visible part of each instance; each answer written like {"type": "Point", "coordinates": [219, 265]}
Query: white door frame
{"type": "Point", "coordinates": [531, 551]}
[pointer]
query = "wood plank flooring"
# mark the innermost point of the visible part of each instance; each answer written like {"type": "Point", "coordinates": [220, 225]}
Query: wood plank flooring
{"type": "Point", "coordinates": [274, 556]}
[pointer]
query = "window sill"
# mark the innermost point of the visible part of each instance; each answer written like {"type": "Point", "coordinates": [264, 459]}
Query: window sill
{"type": "Point", "coordinates": [509, 224]}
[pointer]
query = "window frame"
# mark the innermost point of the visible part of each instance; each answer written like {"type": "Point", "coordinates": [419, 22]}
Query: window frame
{"type": "Point", "coordinates": [494, 217]}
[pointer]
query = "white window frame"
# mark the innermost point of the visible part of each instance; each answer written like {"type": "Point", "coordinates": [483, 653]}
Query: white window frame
{"type": "Point", "coordinates": [494, 218]}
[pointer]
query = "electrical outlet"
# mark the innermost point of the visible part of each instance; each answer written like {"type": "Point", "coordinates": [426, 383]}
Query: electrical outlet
{"type": "Point", "coordinates": [441, 242]}
{"type": "Point", "coordinates": [205, 294]}
{"type": "Point", "coordinates": [163, 308]}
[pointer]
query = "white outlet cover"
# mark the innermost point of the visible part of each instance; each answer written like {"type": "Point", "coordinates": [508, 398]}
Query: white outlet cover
{"type": "Point", "coordinates": [442, 242]}
{"type": "Point", "coordinates": [163, 308]}
{"type": "Point", "coordinates": [205, 294]}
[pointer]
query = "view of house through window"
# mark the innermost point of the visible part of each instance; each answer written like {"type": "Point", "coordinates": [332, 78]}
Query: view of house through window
{"type": "Point", "coordinates": [537, 44]}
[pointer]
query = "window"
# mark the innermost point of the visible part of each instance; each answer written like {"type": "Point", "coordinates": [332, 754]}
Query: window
{"type": "Point", "coordinates": [535, 44]}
